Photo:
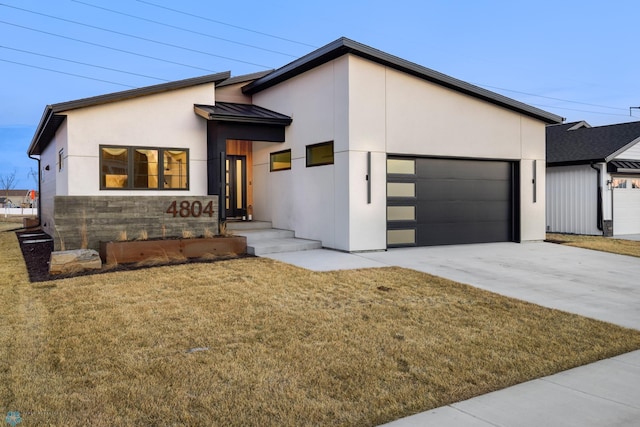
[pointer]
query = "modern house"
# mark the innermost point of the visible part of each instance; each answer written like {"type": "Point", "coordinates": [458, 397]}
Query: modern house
{"type": "Point", "coordinates": [593, 178]}
{"type": "Point", "coordinates": [348, 145]}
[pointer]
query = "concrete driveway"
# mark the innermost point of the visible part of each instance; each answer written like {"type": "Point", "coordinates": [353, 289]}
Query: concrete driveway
{"type": "Point", "coordinates": [591, 283]}
{"type": "Point", "coordinates": [594, 284]}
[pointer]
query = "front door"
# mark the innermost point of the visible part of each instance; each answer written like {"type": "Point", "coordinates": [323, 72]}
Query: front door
{"type": "Point", "coordinates": [236, 186]}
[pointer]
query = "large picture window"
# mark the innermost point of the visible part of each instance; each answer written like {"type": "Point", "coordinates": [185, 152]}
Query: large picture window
{"type": "Point", "coordinates": [320, 154]}
{"type": "Point", "coordinates": [143, 168]}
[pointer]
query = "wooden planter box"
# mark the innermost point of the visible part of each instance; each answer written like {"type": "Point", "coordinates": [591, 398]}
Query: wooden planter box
{"type": "Point", "coordinates": [171, 249]}
{"type": "Point", "coordinates": [30, 222]}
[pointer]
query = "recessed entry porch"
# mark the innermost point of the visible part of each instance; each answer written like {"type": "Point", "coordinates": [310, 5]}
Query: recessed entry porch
{"type": "Point", "coordinates": [231, 130]}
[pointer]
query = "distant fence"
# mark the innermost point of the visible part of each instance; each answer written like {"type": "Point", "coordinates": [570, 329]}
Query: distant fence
{"type": "Point", "coordinates": [19, 211]}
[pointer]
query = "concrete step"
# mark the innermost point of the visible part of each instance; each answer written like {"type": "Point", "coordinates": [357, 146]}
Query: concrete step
{"type": "Point", "coordinates": [262, 239]}
{"type": "Point", "coordinates": [247, 225]}
{"type": "Point", "coordinates": [264, 234]}
{"type": "Point", "coordinates": [290, 244]}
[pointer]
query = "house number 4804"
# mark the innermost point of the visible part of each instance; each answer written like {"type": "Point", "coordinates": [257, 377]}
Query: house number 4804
{"type": "Point", "coordinates": [186, 209]}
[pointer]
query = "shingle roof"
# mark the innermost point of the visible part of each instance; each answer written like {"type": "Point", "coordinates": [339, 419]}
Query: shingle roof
{"type": "Point", "coordinates": [589, 144]}
{"type": "Point", "coordinates": [344, 46]}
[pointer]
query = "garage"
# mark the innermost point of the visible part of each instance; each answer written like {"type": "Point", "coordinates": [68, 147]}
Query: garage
{"type": "Point", "coordinates": [432, 201]}
{"type": "Point", "coordinates": [626, 205]}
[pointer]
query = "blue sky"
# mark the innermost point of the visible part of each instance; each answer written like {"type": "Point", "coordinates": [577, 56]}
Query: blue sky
{"type": "Point", "coordinates": [577, 59]}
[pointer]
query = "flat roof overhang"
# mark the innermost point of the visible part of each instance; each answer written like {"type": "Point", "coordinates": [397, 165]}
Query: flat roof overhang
{"type": "Point", "coordinates": [228, 112]}
{"type": "Point", "coordinates": [624, 166]}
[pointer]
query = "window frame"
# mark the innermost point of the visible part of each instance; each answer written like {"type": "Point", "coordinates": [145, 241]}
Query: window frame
{"type": "Point", "coordinates": [271, 155]}
{"type": "Point", "coordinates": [131, 165]}
{"type": "Point", "coordinates": [311, 147]}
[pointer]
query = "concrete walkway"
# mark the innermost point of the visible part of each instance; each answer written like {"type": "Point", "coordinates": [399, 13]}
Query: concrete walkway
{"type": "Point", "coordinates": [594, 284]}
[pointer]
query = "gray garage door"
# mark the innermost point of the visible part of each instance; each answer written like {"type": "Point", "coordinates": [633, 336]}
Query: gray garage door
{"type": "Point", "coordinates": [447, 201]}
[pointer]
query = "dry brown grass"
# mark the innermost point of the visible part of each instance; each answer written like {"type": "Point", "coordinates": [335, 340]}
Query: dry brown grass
{"type": "Point", "coordinates": [256, 342]}
{"type": "Point", "coordinates": [598, 243]}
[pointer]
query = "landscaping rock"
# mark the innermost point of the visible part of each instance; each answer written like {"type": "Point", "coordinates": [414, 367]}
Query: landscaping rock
{"type": "Point", "coordinates": [74, 261]}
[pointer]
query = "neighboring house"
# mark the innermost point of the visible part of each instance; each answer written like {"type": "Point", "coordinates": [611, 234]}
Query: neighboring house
{"type": "Point", "coordinates": [15, 198]}
{"type": "Point", "coordinates": [593, 178]}
{"type": "Point", "coordinates": [348, 145]}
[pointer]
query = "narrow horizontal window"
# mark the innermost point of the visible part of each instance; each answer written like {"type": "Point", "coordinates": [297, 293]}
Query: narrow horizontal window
{"type": "Point", "coordinates": [143, 168]}
{"type": "Point", "coordinates": [401, 189]}
{"type": "Point", "coordinates": [401, 213]}
{"type": "Point", "coordinates": [280, 160]}
{"type": "Point", "coordinates": [401, 237]}
{"type": "Point", "coordinates": [619, 183]}
{"type": "Point", "coordinates": [401, 166]}
{"type": "Point", "coordinates": [320, 154]}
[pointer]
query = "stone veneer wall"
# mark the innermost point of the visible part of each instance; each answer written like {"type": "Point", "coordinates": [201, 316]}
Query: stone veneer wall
{"type": "Point", "coordinates": [106, 217]}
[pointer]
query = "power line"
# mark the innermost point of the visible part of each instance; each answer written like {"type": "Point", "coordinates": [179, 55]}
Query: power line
{"type": "Point", "coordinates": [136, 37]}
{"type": "Point", "coordinates": [68, 74]}
{"type": "Point", "coordinates": [581, 111]}
{"type": "Point", "coordinates": [107, 47]}
{"type": "Point", "coordinates": [552, 98]}
{"type": "Point", "coordinates": [184, 29]}
{"type": "Point", "coordinates": [225, 23]}
{"type": "Point", "coordinates": [83, 63]}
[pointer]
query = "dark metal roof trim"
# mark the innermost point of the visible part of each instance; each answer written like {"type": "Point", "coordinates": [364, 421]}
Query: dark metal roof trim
{"type": "Point", "coordinates": [575, 162]}
{"type": "Point", "coordinates": [143, 91]}
{"type": "Point", "coordinates": [241, 113]}
{"type": "Point", "coordinates": [344, 46]}
{"type": "Point", "coordinates": [244, 78]}
{"type": "Point", "coordinates": [51, 121]}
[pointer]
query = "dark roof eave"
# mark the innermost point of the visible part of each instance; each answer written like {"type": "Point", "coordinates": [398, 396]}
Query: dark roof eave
{"type": "Point", "coordinates": [576, 162]}
{"type": "Point", "coordinates": [271, 118]}
{"type": "Point", "coordinates": [344, 46]}
{"type": "Point", "coordinates": [249, 120]}
{"type": "Point", "coordinates": [50, 121]}
{"type": "Point", "coordinates": [49, 124]}
{"type": "Point", "coordinates": [244, 78]}
{"type": "Point", "coordinates": [143, 91]}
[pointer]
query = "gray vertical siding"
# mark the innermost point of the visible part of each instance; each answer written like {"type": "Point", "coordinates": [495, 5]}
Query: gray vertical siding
{"type": "Point", "coordinates": [572, 200]}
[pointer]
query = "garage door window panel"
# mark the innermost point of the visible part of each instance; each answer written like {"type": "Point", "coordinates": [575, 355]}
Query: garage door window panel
{"type": "Point", "coordinates": [401, 213]}
{"type": "Point", "coordinates": [402, 237]}
{"type": "Point", "coordinates": [401, 166]}
{"type": "Point", "coordinates": [401, 189]}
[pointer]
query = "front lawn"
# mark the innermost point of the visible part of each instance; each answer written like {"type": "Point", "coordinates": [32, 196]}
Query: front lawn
{"type": "Point", "coordinates": [257, 342]}
{"type": "Point", "coordinates": [598, 243]}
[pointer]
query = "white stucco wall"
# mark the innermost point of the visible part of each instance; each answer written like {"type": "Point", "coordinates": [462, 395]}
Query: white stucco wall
{"type": "Point", "coordinates": [52, 180]}
{"type": "Point", "coordinates": [365, 107]}
{"type": "Point", "coordinates": [314, 201]}
{"type": "Point", "coordinates": [393, 112]}
{"type": "Point", "coordinates": [160, 120]}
